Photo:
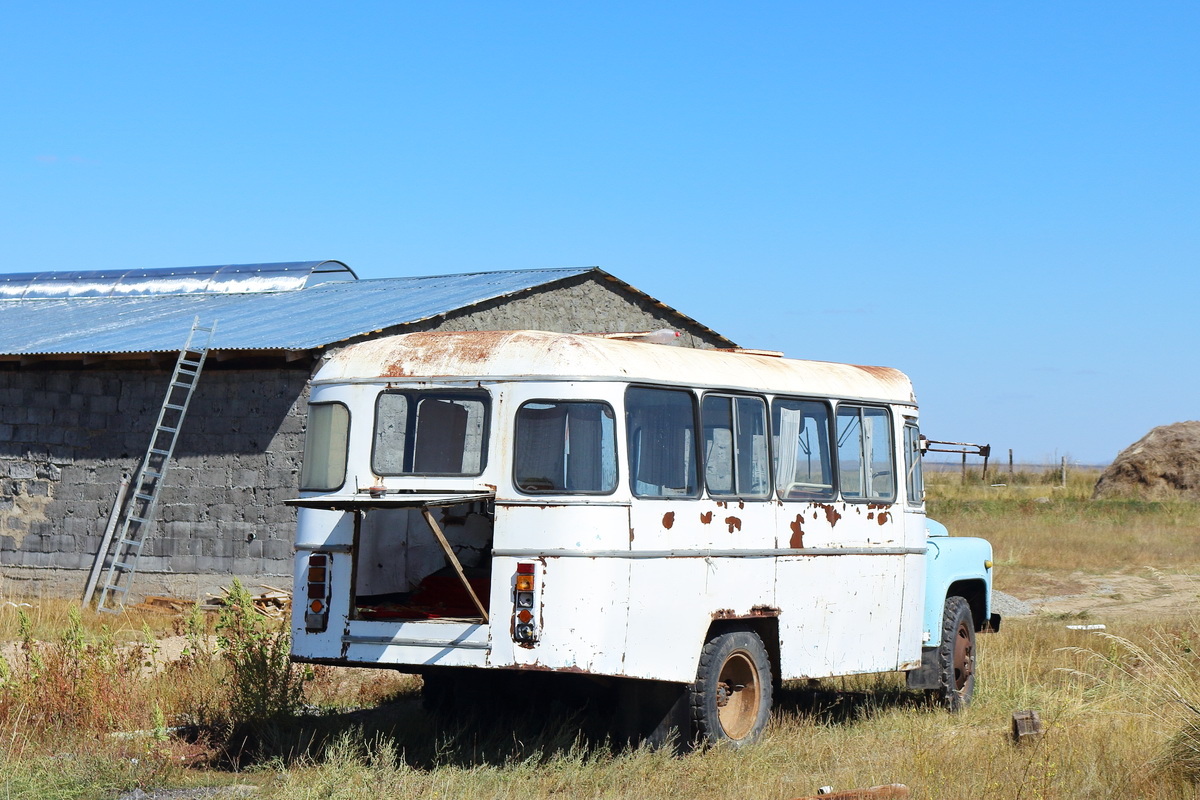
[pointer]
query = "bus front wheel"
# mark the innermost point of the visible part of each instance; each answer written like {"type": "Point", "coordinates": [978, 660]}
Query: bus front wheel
{"type": "Point", "coordinates": [731, 698]}
{"type": "Point", "coordinates": [956, 656]}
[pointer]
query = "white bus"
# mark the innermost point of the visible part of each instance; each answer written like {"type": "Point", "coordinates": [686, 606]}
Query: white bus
{"type": "Point", "coordinates": [696, 524]}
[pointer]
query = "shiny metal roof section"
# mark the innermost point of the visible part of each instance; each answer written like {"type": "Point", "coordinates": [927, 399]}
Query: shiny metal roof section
{"type": "Point", "coordinates": [304, 319]}
{"type": "Point", "coordinates": [530, 355]}
{"type": "Point", "coordinates": [226, 279]}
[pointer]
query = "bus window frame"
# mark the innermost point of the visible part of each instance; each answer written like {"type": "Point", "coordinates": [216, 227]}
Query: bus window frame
{"type": "Point", "coordinates": [836, 448]}
{"type": "Point", "coordinates": [568, 492]}
{"type": "Point", "coordinates": [410, 429]}
{"type": "Point", "coordinates": [345, 450]}
{"type": "Point", "coordinates": [831, 441]}
{"type": "Point", "coordinates": [697, 433]}
{"type": "Point", "coordinates": [917, 467]}
{"type": "Point", "coordinates": [767, 429]}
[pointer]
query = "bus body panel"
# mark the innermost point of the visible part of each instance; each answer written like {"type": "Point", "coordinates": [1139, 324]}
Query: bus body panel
{"type": "Point", "coordinates": [622, 585]}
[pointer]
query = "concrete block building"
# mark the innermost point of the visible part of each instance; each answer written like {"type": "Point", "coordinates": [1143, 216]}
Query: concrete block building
{"type": "Point", "coordinates": [85, 358]}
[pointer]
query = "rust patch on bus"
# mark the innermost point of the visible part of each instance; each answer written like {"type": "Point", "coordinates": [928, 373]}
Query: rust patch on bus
{"type": "Point", "coordinates": [756, 611]}
{"type": "Point", "coordinates": [734, 524]}
{"type": "Point", "coordinates": [668, 519]}
{"type": "Point", "coordinates": [883, 518]}
{"type": "Point", "coordinates": [797, 527]}
{"type": "Point", "coordinates": [831, 514]}
{"type": "Point", "coordinates": [706, 518]}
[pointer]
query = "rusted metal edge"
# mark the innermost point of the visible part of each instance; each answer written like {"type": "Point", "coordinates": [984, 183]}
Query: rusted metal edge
{"type": "Point", "coordinates": [391, 642]}
{"type": "Point", "coordinates": [743, 553]}
{"type": "Point", "coordinates": [324, 548]}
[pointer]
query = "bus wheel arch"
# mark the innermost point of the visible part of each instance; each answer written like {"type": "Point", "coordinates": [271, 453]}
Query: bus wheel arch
{"type": "Point", "coordinates": [731, 698]}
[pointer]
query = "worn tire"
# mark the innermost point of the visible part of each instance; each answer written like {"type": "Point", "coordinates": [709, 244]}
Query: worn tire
{"type": "Point", "coordinates": [731, 698]}
{"type": "Point", "coordinates": [956, 656]}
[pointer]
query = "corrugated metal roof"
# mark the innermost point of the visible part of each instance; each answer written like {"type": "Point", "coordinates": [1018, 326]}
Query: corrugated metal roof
{"type": "Point", "coordinates": [275, 320]}
{"type": "Point", "coordinates": [224, 279]}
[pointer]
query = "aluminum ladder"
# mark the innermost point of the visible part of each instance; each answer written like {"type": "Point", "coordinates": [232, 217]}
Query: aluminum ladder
{"type": "Point", "coordinates": [137, 516]}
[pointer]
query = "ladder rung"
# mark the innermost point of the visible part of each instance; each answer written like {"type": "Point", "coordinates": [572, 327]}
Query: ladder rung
{"type": "Point", "coordinates": [158, 452]}
{"type": "Point", "coordinates": [121, 565]}
{"type": "Point", "coordinates": [174, 407]}
{"type": "Point", "coordinates": [182, 385]}
{"type": "Point", "coordinates": [142, 520]}
{"type": "Point", "coordinates": [151, 473]}
{"type": "Point", "coordinates": [141, 496]}
{"type": "Point", "coordinates": [112, 587]}
{"type": "Point", "coordinates": [128, 542]}
{"type": "Point", "coordinates": [168, 429]}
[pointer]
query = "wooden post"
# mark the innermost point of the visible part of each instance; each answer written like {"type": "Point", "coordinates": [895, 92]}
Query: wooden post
{"type": "Point", "coordinates": [453, 559]}
{"type": "Point", "coordinates": [964, 469]}
{"type": "Point", "coordinates": [1064, 472]}
{"type": "Point", "coordinates": [1010, 466]}
{"type": "Point", "coordinates": [106, 540]}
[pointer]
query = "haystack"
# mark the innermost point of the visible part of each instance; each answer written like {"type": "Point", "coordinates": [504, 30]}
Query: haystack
{"type": "Point", "coordinates": [1162, 465]}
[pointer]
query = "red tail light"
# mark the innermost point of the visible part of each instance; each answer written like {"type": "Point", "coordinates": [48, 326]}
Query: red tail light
{"type": "Point", "coordinates": [525, 613]}
{"type": "Point", "coordinates": [316, 611]}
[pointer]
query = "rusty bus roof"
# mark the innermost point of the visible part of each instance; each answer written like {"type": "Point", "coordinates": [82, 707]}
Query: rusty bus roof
{"type": "Point", "coordinates": [532, 355]}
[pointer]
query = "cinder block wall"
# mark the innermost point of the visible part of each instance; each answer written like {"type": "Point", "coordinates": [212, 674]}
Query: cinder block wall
{"type": "Point", "coordinates": [67, 435]}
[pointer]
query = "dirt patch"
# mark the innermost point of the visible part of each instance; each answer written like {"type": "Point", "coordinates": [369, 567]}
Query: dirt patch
{"type": "Point", "coordinates": [1162, 465]}
{"type": "Point", "coordinates": [1146, 594]}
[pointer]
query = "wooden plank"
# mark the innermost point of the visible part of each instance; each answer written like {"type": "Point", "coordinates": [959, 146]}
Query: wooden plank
{"type": "Point", "coordinates": [462, 576]}
{"type": "Point", "coordinates": [892, 791]}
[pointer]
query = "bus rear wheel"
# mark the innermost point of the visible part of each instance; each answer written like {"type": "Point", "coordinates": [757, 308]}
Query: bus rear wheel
{"type": "Point", "coordinates": [731, 698]}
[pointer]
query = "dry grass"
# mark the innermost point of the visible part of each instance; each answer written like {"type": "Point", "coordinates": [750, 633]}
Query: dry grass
{"type": "Point", "coordinates": [1120, 708]}
{"type": "Point", "coordinates": [1106, 736]}
{"type": "Point", "coordinates": [1034, 525]}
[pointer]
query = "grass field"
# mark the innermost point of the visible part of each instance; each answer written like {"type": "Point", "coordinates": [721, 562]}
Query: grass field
{"type": "Point", "coordinates": [1119, 707]}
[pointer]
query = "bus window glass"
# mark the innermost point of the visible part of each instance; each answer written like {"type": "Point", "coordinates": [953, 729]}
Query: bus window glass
{"type": "Point", "coordinates": [803, 467]}
{"type": "Point", "coordinates": [449, 436]}
{"type": "Point", "coordinates": [914, 479]}
{"type": "Point", "coordinates": [864, 444]}
{"type": "Point", "coordinates": [565, 447]}
{"type": "Point", "coordinates": [661, 429]}
{"type": "Point", "coordinates": [391, 430]}
{"type": "Point", "coordinates": [753, 457]}
{"type": "Point", "coordinates": [324, 466]}
{"type": "Point", "coordinates": [429, 433]}
{"type": "Point", "coordinates": [735, 446]}
{"type": "Point", "coordinates": [717, 415]}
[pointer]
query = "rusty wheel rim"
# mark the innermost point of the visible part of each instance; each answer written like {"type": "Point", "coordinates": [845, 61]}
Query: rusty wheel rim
{"type": "Point", "coordinates": [738, 695]}
{"type": "Point", "coordinates": [964, 658]}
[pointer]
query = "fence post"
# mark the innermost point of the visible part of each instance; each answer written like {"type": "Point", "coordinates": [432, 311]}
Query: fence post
{"type": "Point", "coordinates": [1010, 468]}
{"type": "Point", "coordinates": [1064, 472]}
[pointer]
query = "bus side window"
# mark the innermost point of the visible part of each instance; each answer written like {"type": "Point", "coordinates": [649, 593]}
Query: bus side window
{"type": "Point", "coordinates": [866, 466]}
{"type": "Point", "coordinates": [735, 446]}
{"type": "Point", "coordinates": [914, 479]}
{"type": "Point", "coordinates": [803, 466]}
{"type": "Point", "coordinates": [565, 446]}
{"type": "Point", "coordinates": [661, 427]}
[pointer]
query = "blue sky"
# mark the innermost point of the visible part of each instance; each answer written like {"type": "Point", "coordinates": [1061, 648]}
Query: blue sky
{"type": "Point", "coordinates": [1003, 200]}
